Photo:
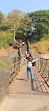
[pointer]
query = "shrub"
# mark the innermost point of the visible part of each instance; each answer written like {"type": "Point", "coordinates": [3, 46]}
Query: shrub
{"type": "Point", "coordinates": [2, 64]}
{"type": "Point", "coordinates": [9, 40]}
{"type": "Point", "coordinates": [5, 38]}
{"type": "Point", "coordinates": [46, 36]}
{"type": "Point", "coordinates": [42, 46]}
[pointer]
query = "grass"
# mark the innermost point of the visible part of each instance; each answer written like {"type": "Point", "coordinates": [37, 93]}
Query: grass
{"type": "Point", "coordinates": [2, 64]}
{"type": "Point", "coordinates": [41, 46]}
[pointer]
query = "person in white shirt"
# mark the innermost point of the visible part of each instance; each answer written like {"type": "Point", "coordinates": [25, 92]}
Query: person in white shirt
{"type": "Point", "coordinates": [29, 67]}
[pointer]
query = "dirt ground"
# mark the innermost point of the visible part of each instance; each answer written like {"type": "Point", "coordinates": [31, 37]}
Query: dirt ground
{"type": "Point", "coordinates": [4, 52]}
{"type": "Point", "coordinates": [43, 50]}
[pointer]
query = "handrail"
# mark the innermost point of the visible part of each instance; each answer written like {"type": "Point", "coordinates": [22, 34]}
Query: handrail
{"type": "Point", "coordinates": [43, 68]}
{"type": "Point", "coordinates": [42, 64]}
{"type": "Point", "coordinates": [16, 63]}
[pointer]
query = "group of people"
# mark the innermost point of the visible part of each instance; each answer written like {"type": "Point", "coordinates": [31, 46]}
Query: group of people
{"type": "Point", "coordinates": [28, 54]}
{"type": "Point", "coordinates": [29, 61]}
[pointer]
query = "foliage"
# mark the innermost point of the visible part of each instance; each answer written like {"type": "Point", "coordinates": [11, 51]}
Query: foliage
{"type": "Point", "coordinates": [26, 24]}
{"type": "Point", "coordinates": [40, 20]}
{"type": "Point", "coordinates": [3, 22]}
{"type": "Point", "coordinates": [5, 38]}
{"type": "Point", "coordinates": [41, 46]}
{"type": "Point", "coordinates": [20, 32]}
{"type": "Point", "coordinates": [2, 64]}
{"type": "Point", "coordinates": [46, 36]}
{"type": "Point", "coordinates": [19, 22]}
{"type": "Point", "coordinates": [14, 20]}
{"type": "Point", "coordinates": [23, 29]}
{"type": "Point", "coordinates": [1, 17]}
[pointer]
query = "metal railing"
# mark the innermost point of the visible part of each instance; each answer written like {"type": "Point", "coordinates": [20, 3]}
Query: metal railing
{"type": "Point", "coordinates": [43, 67]}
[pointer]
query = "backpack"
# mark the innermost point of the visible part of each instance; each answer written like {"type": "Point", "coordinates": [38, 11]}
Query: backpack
{"type": "Point", "coordinates": [27, 55]}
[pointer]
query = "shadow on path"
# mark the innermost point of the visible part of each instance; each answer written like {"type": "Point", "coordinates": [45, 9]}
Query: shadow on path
{"type": "Point", "coordinates": [22, 86]}
{"type": "Point", "coordinates": [21, 79]}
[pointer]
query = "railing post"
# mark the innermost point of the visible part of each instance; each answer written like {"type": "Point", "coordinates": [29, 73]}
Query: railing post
{"type": "Point", "coordinates": [48, 74]}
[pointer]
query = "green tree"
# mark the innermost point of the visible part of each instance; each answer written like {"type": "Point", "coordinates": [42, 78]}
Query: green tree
{"type": "Point", "coordinates": [1, 17]}
{"type": "Point", "coordinates": [40, 20]}
{"type": "Point", "coordinates": [4, 25]}
{"type": "Point", "coordinates": [25, 25]}
{"type": "Point", "coordinates": [14, 20]}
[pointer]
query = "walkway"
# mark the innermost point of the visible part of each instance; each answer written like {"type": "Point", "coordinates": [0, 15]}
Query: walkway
{"type": "Point", "coordinates": [25, 102]}
{"type": "Point", "coordinates": [22, 86]}
{"type": "Point", "coordinates": [24, 97]}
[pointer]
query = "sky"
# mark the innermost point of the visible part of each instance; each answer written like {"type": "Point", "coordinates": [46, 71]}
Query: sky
{"type": "Point", "coordinates": [23, 5]}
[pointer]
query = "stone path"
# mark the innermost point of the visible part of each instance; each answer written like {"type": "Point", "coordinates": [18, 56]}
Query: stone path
{"type": "Point", "coordinates": [22, 86]}
{"type": "Point", "coordinates": [25, 102]}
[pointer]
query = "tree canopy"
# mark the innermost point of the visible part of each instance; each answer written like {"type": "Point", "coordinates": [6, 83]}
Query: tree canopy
{"type": "Point", "coordinates": [18, 24]}
{"type": "Point", "coordinates": [40, 20]}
